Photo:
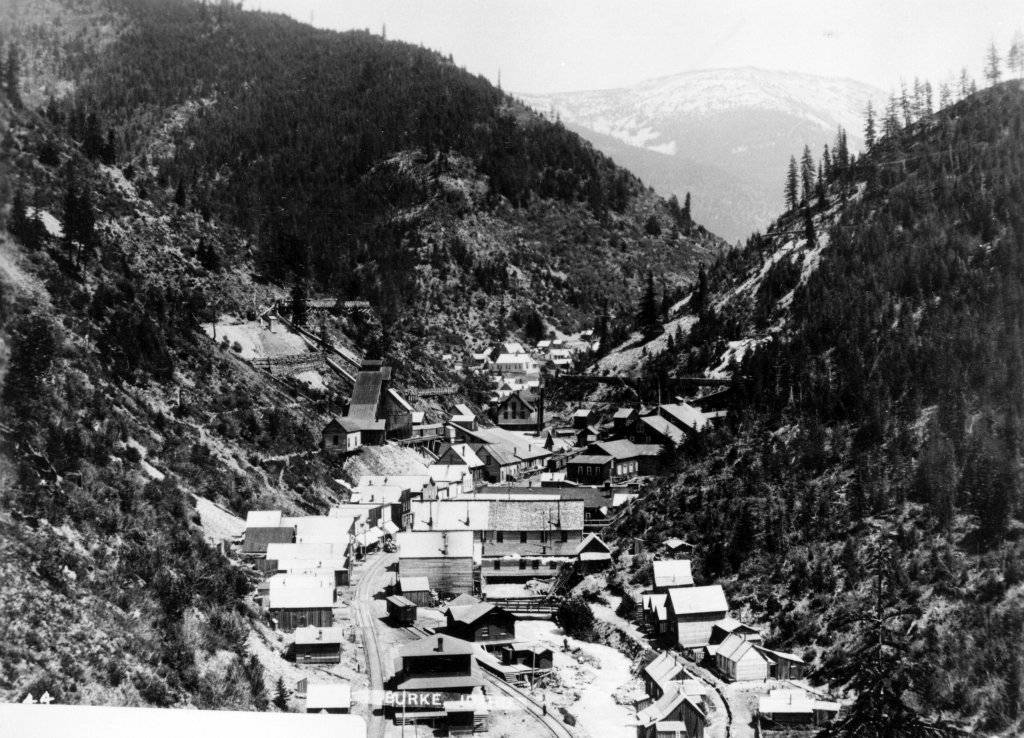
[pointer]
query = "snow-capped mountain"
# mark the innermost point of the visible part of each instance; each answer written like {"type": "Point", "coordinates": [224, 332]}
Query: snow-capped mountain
{"type": "Point", "coordinates": [725, 135]}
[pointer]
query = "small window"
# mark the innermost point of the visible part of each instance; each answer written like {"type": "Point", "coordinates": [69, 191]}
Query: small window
{"type": "Point", "coordinates": [334, 440]}
{"type": "Point", "coordinates": [497, 565]}
{"type": "Point", "coordinates": [522, 537]}
{"type": "Point", "coordinates": [536, 563]}
{"type": "Point", "coordinates": [522, 563]}
{"type": "Point", "coordinates": [551, 564]}
{"type": "Point", "coordinates": [565, 536]}
{"type": "Point", "coordinates": [501, 536]}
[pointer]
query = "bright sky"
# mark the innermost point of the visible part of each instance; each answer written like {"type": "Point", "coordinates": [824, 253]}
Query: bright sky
{"type": "Point", "coordinates": [560, 45]}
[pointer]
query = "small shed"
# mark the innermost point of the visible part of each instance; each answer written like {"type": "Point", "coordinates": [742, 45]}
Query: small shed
{"type": "Point", "coordinates": [341, 436]}
{"type": "Point", "coordinates": [670, 729]}
{"type": "Point", "coordinates": [401, 610]}
{"type": "Point", "coordinates": [330, 697]}
{"type": "Point", "coordinates": [787, 665]}
{"type": "Point", "coordinates": [416, 590]}
{"type": "Point", "coordinates": [315, 645]}
{"type": "Point", "coordinates": [533, 656]}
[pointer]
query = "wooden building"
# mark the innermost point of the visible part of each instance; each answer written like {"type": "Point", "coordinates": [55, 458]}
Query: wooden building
{"type": "Point", "coordinates": [693, 611]}
{"type": "Point", "coordinates": [786, 665]}
{"type": "Point", "coordinates": [341, 436]}
{"type": "Point", "coordinates": [263, 527]}
{"type": "Point", "coordinates": [589, 468]}
{"type": "Point", "coordinates": [533, 656]}
{"type": "Point", "coordinates": [334, 698]}
{"type": "Point", "coordinates": [669, 573]}
{"type": "Point", "coordinates": [593, 554]}
{"type": "Point", "coordinates": [445, 558]}
{"type": "Point", "coordinates": [793, 709]}
{"type": "Point", "coordinates": [401, 610]}
{"type": "Point", "coordinates": [315, 645]}
{"type": "Point", "coordinates": [484, 623]}
{"type": "Point", "coordinates": [655, 611]}
{"type": "Point", "coordinates": [739, 660]}
{"type": "Point", "coordinates": [375, 401]}
{"type": "Point", "coordinates": [675, 706]}
{"type": "Point", "coordinates": [660, 673]}
{"type": "Point", "coordinates": [294, 607]}
{"type": "Point", "coordinates": [439, 666]}
{"type": "Point", "coordinates": [519, 411]}
{"type": "Point", "coordinates": [461, 454]}
{"type": "Point", "coordinates": [416, 590]}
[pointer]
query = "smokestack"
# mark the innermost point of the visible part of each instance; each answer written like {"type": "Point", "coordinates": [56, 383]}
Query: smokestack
{"type": "Point", "coordinates": [440, 644]}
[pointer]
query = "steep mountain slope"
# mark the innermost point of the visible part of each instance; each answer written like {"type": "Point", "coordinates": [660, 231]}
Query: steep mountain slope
{"type": "Point", "coordinates": [864, 501]}
{"type": "Point", "coordinates": [363, 168]}
{"type": "Point", "coordinates": [168, 166]}
{"type": "Point", "coordinates": [722, 134]}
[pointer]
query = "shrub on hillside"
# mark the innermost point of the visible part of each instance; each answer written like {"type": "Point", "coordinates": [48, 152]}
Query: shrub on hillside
{"type": "Point", "coordinates": [575, 618]}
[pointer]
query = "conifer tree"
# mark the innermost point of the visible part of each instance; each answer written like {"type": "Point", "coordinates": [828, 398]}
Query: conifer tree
{"type": "Point", "coordinates": [686, 210]}
{"type": "Point", "coordinates": [945, 95]}
{"type": "Point", "coordinates": [647, 316]}
{"type": "Point", "coordinates": [806, 174]}
{"type": "Point", "coordinates": [993, 65]}
{"type": "Point", "coordinates": [792, 184]}
{"type": "Point", "coordinates": [965, 83]}
{"type": "Point", "coordinates": [1015, 56]}
{"type": "Point", "coordinates": [869, 126]}
{"type": "Point", "coordinates": [281, 695]}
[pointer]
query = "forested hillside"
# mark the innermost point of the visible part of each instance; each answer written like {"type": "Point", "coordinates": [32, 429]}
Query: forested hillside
{"type": "Point", "coordinates": [864, 499]}
{"type": "Point", "coordinates": [357, 166]}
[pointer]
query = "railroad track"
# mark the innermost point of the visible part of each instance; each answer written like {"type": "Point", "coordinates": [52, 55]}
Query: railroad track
{"type": "Point", "coordinates": [553, 725]}
{"type": "Point", "coordinates": [366, 620]}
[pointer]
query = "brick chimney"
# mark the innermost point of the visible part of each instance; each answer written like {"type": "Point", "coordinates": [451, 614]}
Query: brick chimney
{"type": "Point", "coordinates": [440, 644]}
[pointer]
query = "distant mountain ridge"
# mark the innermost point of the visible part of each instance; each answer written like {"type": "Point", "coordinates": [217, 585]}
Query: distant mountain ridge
{"type": "Point", "coordinates": [725, 135]}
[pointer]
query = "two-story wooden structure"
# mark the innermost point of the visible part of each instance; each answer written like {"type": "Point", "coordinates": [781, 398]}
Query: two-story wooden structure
{"type": "Point", "coordinates": [433, 671]}
{"type": "Point", "coordinates": [693, 611]}
{"type": "Point", "coordinates": [374, 401]}
{"type": "Point", "coordinates": [519, 411]}
{"type": "Point", "coordinates": [445, 558]}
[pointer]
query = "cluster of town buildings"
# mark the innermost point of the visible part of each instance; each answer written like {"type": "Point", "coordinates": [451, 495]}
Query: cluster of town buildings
{"type": "Point", "coordinates": [694, 621]}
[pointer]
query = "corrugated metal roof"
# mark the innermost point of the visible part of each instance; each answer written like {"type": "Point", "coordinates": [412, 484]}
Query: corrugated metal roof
{"type": "Point", "coordinates": [288, 598]}
{"type": "Point", "coordinates": [366, 395]}
{"type": "Point", "coordinates": [440, 683]}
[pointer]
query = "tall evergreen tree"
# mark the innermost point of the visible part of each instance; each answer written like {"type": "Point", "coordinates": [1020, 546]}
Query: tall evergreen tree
{"type": "Point", "coordinates": [993, 65]}
{"type": "Point", "coordinates": [806, 175]}
{"type": "Point", "coordinates": [1015, 56]}
{"type": "Point", "coordinates": [647, 316]}
{"type": "Point", "coordinates": [792, 184]}
{"type": "Point", "coordinates": [687, 214]}
{"type": "Point", "coordinates": [869, 126]}
{"type": "Point", "coordinates": [880, 669]}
